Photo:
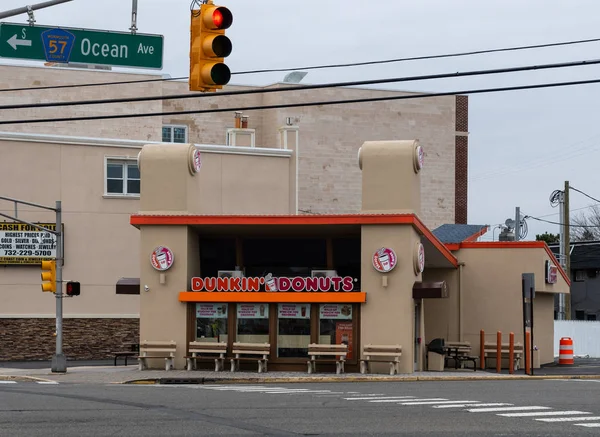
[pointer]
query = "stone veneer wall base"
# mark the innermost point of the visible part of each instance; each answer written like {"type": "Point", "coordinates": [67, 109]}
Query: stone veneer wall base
{"type": "Point", "coordinates": [83, 339]}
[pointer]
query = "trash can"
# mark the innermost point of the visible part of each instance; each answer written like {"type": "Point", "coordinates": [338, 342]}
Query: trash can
{"type": "Point", "coordinates": [436, 355]}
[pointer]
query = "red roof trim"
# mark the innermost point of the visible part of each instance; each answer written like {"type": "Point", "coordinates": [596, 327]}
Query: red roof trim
{"type": "Point", "coordinates": [313, 220]}
{"type": "Point", "coordinates": [476, 235]}
{"type": "Point", "coordinates": [518, 245]}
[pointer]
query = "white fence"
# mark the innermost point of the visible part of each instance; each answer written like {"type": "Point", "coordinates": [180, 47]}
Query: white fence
{"type": "Point", "coordinates": [585, 335]}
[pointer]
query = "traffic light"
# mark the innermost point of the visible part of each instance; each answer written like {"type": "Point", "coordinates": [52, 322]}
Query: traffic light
{"type": "Point", "coordinates": [73, 288]}
{"type": "Point", "coordinates": [208, 47]}
{"type": "Point", "coordinates": [49, 276]}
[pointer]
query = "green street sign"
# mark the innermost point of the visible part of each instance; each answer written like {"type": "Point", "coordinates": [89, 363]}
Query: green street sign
{"type": "Point", "coordinates": [86, 46]}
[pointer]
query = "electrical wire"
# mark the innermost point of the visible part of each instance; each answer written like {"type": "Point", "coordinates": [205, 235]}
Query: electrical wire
{"type": "Point", "coordinates": [352, 64]}
{"type": "Point", "coordinates": [555, 198]}
{"type": "Point", "coordinates": [585, 194]}
{"type": "Point", "coordinates": [561, 224]}
{"type": "Point", "coordinates": [303, 104]}
{"type": "Point", "coordinates": [305, 87]}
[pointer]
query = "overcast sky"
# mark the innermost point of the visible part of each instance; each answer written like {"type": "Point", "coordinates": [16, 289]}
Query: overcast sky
{"type": "Point", "coordinates": [522, 145]}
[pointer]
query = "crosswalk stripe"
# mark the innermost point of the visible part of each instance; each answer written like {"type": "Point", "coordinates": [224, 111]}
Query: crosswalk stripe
{"type": "Point", "coordinates": [493, 410]}
{"type": "Point", "coordinates": [498, 404]}
{"type": "Point", "coordinates": [8, 382]}
{"type": "Point", "coordinates": [48, 382]}
{"type": "Point", "coordinates": [569, 419]}
{"type": "Point", "coordinates": [589, 425]}
{"type": "Point", "coordinates": [439, 402]}
{"type": "Point", "coordinates": [399, 399]}
{"type": "Point", "coordinates": [543, 413]}
{"type": "Point", "coordinates": [372, 398]}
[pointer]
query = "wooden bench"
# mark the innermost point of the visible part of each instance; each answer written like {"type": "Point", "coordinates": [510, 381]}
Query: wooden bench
{"type": "Point", "coordinates": [157, 349]}
{"type": "Point", "coordinates": [206, 351]}
{"type": "Point", "coordinates": [460, 351]}
{"type": "Point", "coordinates": [378, 353]}
{"type": "Point", "coordinates": [134, 350]}
{"type": "Point", "coordinates": [491, 351]}
{"type": "Point", "coordinates": [261, 349]}
{"type": "Point", "coordinates": [337, 351]}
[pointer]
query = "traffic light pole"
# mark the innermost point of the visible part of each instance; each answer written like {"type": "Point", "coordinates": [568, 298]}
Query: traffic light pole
{"type": "Point", "coordinates": [59, 361]}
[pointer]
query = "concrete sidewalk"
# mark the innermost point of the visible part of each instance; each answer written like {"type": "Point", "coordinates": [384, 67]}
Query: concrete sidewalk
{"type": "Point", "coordinates": [108, 374]}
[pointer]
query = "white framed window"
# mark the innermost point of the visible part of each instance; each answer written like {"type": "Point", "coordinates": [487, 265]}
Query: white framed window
{"type": "Point", "coordinates": [121, 177]}
{"type": "Point", "coordinates": [174, 133]}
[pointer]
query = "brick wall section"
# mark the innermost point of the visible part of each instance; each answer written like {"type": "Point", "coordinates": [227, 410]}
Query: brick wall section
{"type": "Point", "coordinates": [83, 339]}
{"type": "Point", "coordinates": [462, 160]}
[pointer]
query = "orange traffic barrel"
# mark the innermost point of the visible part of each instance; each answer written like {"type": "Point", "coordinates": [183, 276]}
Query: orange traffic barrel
{"type": "Point", "coordinates": [565, 352]}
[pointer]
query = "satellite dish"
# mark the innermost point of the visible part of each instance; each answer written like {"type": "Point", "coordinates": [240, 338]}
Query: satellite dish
{"type": "Point", "coordinates": [294, 77]}
{"type": "Point", "coordinates": [510, 223]}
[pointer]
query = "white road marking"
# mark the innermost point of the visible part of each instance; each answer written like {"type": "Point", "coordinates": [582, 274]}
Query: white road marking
{"type": "Point", "coordinates": [8, 382]}
{"type": "Point", "coordinates": [543, 413]}
{"type": "Point", "coordinates": [569, 419]}
{"type": "Point", "coordinates": [467, 405]}
{"type": "Point", "coordinates": [373, 398]}
{"type": "Point", "coordinates": [589, 425]}
{"type": "Point", "coordinates": [439, 402]}
{"type": "Point", "coordinates": [493, 410]}
{"type": "Point", "coordinates": [48, 382]}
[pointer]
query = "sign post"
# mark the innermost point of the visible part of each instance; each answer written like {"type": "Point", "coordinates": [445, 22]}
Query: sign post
{"type": "Point", "coordinates": [528, 288]}
{"type": "Point", "coordinates": [86, 46]}
{"type": "Point", "coordinates": [59, 361]}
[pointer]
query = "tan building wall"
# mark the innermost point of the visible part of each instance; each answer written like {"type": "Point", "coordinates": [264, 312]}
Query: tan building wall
{"type": "Point", "coordinates": [100, 244]}
{"type": "Point", "coordinates": [490, 297]}
{"type": "Point", "coordinates": [328, 178]}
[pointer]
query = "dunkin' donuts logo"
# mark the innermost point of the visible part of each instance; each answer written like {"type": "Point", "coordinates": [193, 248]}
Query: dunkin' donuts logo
{"type": "Point", "coordinates": [384, 259]}
{"type": "Point", "coordinates": [271, 283]}
{"type": "Point", "coordinates": [161, 258]}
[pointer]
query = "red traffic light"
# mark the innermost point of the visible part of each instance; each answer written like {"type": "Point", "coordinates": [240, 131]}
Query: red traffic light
{"type": "Point", "coordinates": [221, 18]}
{"type": "Point", "coordinates": [73, 288]}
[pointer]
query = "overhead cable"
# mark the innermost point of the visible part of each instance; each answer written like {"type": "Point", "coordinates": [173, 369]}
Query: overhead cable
{"type": "Point", "coordinates": [305, 87]}
{"type": "Point", "coordinates": [303, 104]}
{"type": "Point", "coordinates": [351, 64]}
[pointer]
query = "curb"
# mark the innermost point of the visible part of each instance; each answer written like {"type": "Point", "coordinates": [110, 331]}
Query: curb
{"type": "Point", "coordinates": [324, 379]}
{"type": "Point", "coordinates": [23, 378]}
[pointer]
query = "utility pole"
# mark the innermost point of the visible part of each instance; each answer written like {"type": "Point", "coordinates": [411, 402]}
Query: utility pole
{"type": "Point", "coordinates": [567, 240]}
{"type": "Point", "coordinates": [517, 223]}
{"type": "Point", "coordinates": [29, 9]}
{"type": "Point", "coordinates": [59, 361]}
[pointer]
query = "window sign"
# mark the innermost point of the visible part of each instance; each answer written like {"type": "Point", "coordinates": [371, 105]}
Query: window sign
{"type": "Point", "coordinates": [211, 310]}
{"type": "Point", "coordinates": [252, 311]}
{"type": "Point", "coordinates": [335, 311]}
{"type": "Point", "coordinates": [294, 311]}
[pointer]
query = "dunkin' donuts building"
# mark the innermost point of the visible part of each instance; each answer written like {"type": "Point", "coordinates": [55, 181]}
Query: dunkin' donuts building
{"type": "Point", "coordinates": [225, 257]}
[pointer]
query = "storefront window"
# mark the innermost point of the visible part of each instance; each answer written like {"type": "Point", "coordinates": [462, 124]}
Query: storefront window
{"type": "Point", "coordinates": [293, 334]}
{"type": "Point", "coordinates": [253, 323]}
{"type": "Point", "coordinates": [211, 322]}
{"type": "Point", "coordinates": [335, 325]}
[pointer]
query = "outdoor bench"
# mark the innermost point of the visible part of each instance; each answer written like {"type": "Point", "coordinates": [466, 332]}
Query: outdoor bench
{"type": "Point", "coordinates": [206, 351]}
{"type": "Point", "coordinates": [242, 351]}
{"type": "Point", "coordinates": [491, 352]}
{"type": "Point", "coordinates": [157, 349]}
{"type": "Point", "coordinates": [337, 351]}
{"type": "Point", "coordinates": [381, 354]}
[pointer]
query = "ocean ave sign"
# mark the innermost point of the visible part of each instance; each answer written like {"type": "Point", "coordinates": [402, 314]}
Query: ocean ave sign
{"type": "Point", "coordinates": [97, 47]}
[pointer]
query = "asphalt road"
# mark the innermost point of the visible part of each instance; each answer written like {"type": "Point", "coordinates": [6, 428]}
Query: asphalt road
{"type": "Point", "coordinates": [478, 408]}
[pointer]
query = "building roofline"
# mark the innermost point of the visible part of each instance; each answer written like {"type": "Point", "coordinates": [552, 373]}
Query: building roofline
{"type": "Point", "coordinates": [138, 220]}
{"type": "Point", "coordinates": [516, 245]}
{"type": "Point", "coordinates": [137, 144]}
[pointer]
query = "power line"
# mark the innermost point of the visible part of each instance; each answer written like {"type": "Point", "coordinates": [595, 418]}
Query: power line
{"type": "Point", "coordinates": [304, 104]}
{"type": "Point", "coordinates": [306, 87]}
{"type": "Point", "coordinates": [560, 224]}
{"type": "Point", "coordinates": [82, 85]}
{"type": "Point", "coordinates": [585, 194]}
{"type": "Point", "coordinates": [420, 58]}
{"type": "Point", "coordinates": [352, 64]}
{"type": "Point", "coordinates": [571, 210]}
